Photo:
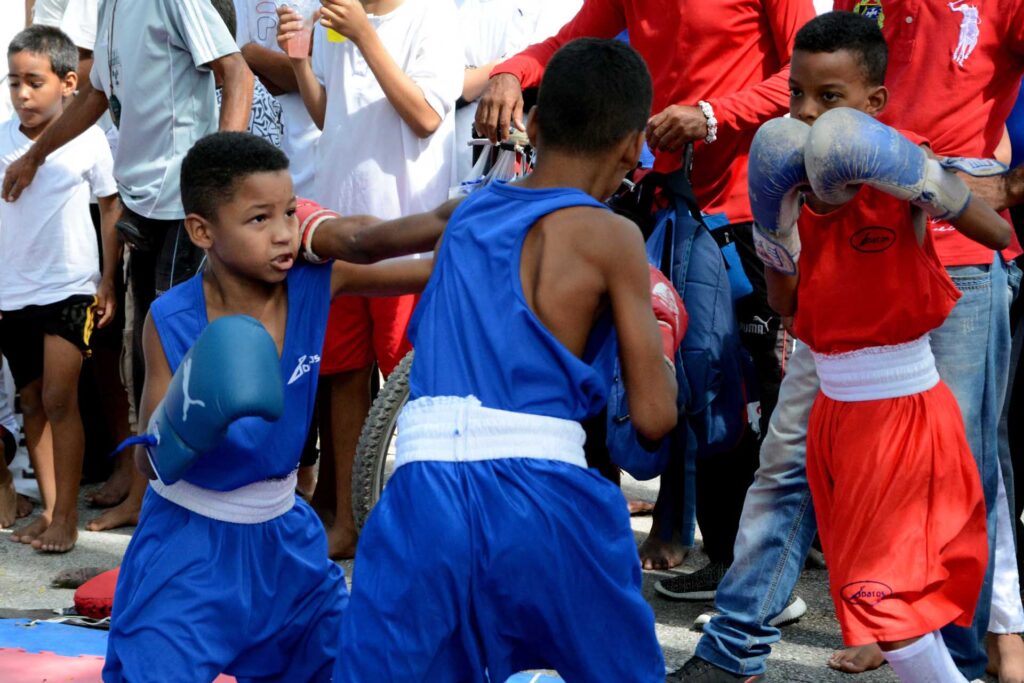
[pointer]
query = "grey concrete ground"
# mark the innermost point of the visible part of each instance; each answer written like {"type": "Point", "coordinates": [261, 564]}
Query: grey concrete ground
{"type": "Point", "coordinates": [25, 577]}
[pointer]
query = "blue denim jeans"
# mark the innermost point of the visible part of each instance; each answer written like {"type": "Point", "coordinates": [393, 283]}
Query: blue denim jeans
{"type": "Point", "coordinates": [778, 522]}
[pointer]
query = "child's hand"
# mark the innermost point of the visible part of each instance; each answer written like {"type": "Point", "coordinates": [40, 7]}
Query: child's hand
{"type": "Point", "coordinates": [347, 17]}
{"type": "Point", "coordinates": [289, 25]}
{"type": "Point", "coordinates": [106, 303]}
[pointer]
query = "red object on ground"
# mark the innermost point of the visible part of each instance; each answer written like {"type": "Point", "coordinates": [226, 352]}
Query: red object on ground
{"type": "Point", "coordinates": [18, 666]}
{"type": "Point", "coordinates": [95, 597]}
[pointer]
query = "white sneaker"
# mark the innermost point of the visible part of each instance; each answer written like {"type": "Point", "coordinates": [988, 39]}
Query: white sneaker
{"type": "Point", "coordinates": [794, 610]}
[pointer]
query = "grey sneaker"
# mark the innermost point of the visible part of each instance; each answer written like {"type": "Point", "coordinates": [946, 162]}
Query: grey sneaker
{"type": "Point", "coordinates": [697, 670]}
{"type": "Point", "coordinates": [794, 610]}
{"type": "Point", "coordinates": [695, 587]}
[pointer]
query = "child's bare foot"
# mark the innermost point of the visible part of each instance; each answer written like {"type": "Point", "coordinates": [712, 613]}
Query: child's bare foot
{"type": "Point", "coordinates": [857, 660]}
{"type": "Point", "coordinates": [8, 503]}
{"type": "Point", "coordinates": [341, 543]}
{"type": "Point", "coordinates": [1005, 657]}
{"type": "Point", "coordinates": [639, 508]}
{"type": "Point", "coordinates": [30, 531]}
{"type": "Point", "coordinates": [658, 554]}
{"type": "Point", "coordinates": [25, 506]}
{"type": "Point", "coordinates": [114, 490]}
{"type": "Point", "coordinates": [126, 513]}
{"type": "Point", "coordinates": [59, 537]}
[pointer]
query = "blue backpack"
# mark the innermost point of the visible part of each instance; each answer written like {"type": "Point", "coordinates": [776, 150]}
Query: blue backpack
{"type": "Point", "coordinates": [714, 371]}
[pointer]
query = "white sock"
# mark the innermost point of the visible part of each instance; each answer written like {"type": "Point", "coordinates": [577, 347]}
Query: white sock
{"type": "Point", "coordinates": [924, 661]}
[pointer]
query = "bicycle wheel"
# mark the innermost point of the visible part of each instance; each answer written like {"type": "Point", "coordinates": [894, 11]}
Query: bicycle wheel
{"type": "Point", "coordinates": [375, 453]}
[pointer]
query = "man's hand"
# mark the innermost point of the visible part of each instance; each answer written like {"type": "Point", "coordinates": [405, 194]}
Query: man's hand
{"type": "Point", "coordinates": [19, 176]}
{"type": "Point", "coordinates": [347, 17]}
{"type": "Point", "coordinates": [106, 303]}
{"type": "Point", "coordinates": [289, 24]}
{"type": "Point", "coordinates": [674, 127]}
{"type": "Point", "coordinates": [500, 106]}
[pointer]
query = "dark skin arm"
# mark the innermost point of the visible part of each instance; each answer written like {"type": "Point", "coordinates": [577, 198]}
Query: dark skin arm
{"type": "Point", "coordinates": [158, 378]}
{"type": "Point", "coordinates": [389, 278]}
{"type": "Point", "coordinates": [236, 104]}
{"type": "Point", "coordinates": [273, 68]}
{"type": "Point", "coordinates": [364, 239]}
{"type": "Point", "coordinates": [782, 291]}
{"type": "Point", "coordinates": [983, 225]}
{"type": "Point", "coordinates": [999, 192]}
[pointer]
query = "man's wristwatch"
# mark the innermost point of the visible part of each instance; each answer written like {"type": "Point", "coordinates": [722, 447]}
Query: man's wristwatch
{"type": "Point", "coordinates": [709, 114]}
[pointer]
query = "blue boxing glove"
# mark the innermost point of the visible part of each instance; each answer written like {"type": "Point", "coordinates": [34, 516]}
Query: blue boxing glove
{"type": "Point", "coordinates": [232, 371]}
{"type": "Point", "coordinates": [847, 148]}
{"type": "Point", "coordinates": [775, 175]}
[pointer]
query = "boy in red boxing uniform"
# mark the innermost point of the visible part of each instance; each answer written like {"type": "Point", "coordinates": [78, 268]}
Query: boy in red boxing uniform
{"type": "Point", "coordinates": [888, 462]}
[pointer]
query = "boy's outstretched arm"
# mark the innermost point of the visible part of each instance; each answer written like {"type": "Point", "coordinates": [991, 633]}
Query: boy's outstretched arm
{"type": "Point", "coordinates": [158, 378]}
{"type": "Point", "coordinates": [364, 239]}
{"type": "Point", "coordinates": [650, 382]}
{"type": "Point", "coordinates": [983, 225]}
{"type": "Point", "coordinates": [388, 278]}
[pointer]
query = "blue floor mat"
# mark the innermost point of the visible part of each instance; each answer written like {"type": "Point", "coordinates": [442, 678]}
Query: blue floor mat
{"type": "Point", "coordinates": [60, 639]}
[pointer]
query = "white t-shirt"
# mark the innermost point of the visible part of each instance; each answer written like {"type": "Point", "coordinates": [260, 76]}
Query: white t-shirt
{"type": "Point", "coordinates": [79, 22]}
{"type": "Point", "coordinates": [257, 23]}
{"type": "Point", "coordinates": [48, 12]}
{"type": "Point", "coordinates": [13, 23]}
{"type": "Point", "coordinates": [47, 240]}
{"type": "Point", "coordinates": [369, 160]}
{"type": "Point", "coordinates": [822, 6]}
{"type": "Point", "coordinates": [493, 30]}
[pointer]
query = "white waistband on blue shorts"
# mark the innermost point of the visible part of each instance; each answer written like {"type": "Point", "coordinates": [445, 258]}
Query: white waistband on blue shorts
{"type": "Point", "coordinates": [254, 503]}
{"type": "Point", "coordinates": [878, 372]}
{"type": "Point", "coordinates": [460, 429]}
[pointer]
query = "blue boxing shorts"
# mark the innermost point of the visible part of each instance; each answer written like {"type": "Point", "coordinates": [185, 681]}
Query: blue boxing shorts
{"type": "Point", "coordinates": [477, 564]}
{"type": "Point", "coordinates": [199, 596]}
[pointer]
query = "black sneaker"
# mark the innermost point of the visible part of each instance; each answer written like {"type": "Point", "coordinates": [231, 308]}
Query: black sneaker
{"type": "Point", "coordinates": [697, 587]}
{"type": "Point", "coordinates": [697, 670]}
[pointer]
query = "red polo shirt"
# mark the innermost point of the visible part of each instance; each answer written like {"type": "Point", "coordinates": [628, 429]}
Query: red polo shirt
{"type": "Point", "coordinates": [732, 53]}
{"type": "Point", "coordinates": [962, 108]}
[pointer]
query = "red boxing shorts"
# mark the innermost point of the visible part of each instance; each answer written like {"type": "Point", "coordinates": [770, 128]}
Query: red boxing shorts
{"type": "Point", "coordinates": [900, 512]}
{"type": "Point", "coordinates": [361, 330]}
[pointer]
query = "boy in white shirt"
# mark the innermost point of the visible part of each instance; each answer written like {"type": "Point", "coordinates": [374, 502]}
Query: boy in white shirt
{"type": "Point", "coordinates": [51, 293]}
{"type": "Point", "coordinates": [382, 86]}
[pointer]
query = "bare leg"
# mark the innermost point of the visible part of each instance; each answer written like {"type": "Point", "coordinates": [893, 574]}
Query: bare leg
{"type": "Point", "coordinates": [115, 410]}
{"type": "Point", "coordinates": [349, 406]}
{"type": "Point", "coordinates": [856, 660]}
{"type": "Point", "coordinates": [1006, 657]}
{"type": "Point", "coordinates": [61, 367]}
{"type": "Point", "coordinates": [39, 439]}
{"type": "Point", "coordinates": [8, 496]}
{"type": "Point", "coordinates": [125, 513]}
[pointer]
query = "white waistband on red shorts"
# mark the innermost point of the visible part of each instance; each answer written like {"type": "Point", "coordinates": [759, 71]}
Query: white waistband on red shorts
{"type": "Point", "coordinates": [878, 372]}
{"type": "Point", "coordinates": [460, 429]}
{"type": "Point", "coordinates": [254, 503]}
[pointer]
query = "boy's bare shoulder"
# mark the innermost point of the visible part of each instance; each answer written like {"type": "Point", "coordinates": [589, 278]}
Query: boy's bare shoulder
{"type": "Point", "coordinates": [597, 230]}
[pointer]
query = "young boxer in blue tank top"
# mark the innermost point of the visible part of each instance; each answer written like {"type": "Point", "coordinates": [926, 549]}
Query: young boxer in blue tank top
{"type": "Point", "coordinates": [228, 570]}
{"type": "Point", "coordinates": [494, 549]}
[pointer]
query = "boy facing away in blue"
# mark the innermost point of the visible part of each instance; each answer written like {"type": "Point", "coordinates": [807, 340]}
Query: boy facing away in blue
{"type": "Point", "coordinates": [228, 570]}
{"type": "Point", "coordinates": [494, 549]}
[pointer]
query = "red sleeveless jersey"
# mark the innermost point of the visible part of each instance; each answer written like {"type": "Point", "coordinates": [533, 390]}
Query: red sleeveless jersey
{"type": "Point", "coordinates": [865, 280]}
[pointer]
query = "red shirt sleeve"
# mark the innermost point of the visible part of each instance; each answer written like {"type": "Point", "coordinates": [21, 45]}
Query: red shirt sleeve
{"type": "Point", "coordinates": [596, 19]}
{"type": "Point", "coordinates": [749, 108]}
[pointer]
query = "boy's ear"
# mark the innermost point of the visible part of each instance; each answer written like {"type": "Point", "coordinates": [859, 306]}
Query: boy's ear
{"type": "Point", "coordinates": [632, 148]}
{"type": "Point", "coordinates": [198, 229]}
{"type": "Point", "coordinates": [877, 100]}
{"type": "Point", "coordinates": [69, 84]}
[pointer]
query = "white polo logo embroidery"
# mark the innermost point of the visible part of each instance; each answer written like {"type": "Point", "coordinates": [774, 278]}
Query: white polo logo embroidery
{"type": "Point", "coordinates": [304, 365]}
{"type": "Point", "coordinates": [189, 401]}
{"type": "Point", "coordinates": [969, 31]}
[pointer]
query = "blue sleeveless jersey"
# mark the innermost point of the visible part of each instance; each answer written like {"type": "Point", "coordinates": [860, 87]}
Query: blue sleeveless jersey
{"type": "Point", "coordinates": [472, 330]}
{"type": "Point", "coordinates": [255, 449]}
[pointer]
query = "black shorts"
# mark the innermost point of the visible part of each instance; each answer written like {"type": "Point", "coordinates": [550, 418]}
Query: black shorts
{"type": "Point", "coordinates": [22, 332]}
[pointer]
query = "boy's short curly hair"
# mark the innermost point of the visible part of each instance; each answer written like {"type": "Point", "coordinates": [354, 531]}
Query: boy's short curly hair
{"type": "Point", "coordinates": [217, 162]}
{"type": "Point", "coordinates": [594, 93]}
{"type": "Point", "coordinates": [49, 42]}
{"type": "Point", "coordinates": [835, 31]}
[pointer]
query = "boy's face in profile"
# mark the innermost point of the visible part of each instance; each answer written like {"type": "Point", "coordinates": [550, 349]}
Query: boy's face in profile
{"type": "Point", "coordinates": [819, 81]}
{"type": "Point", "coordinates": [255, 232]}
{"type": "Point", "coordinates": [37, 92]}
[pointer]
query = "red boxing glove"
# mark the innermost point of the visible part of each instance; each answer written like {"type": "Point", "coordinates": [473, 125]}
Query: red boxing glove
{"type": "Point", "coordinates": [670, 313]}
{"type": "Point", "coordinates": [311, 215]}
